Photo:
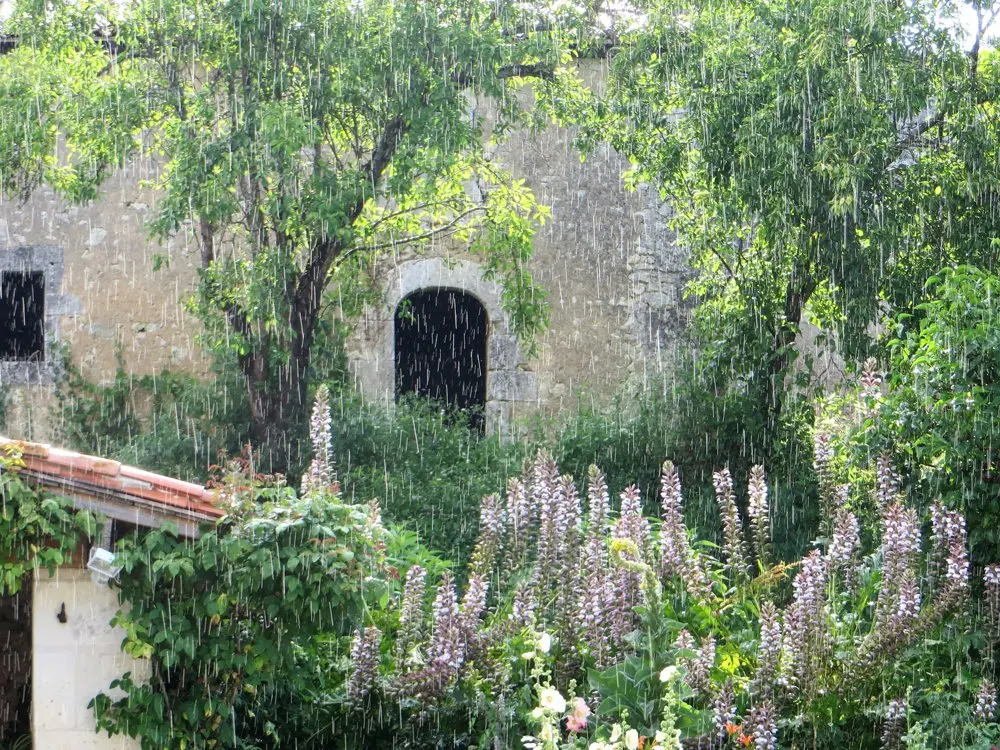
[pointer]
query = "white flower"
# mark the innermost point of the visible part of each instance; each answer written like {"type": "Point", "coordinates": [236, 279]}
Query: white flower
{"type": "Point", "coordinates": [598, 746]}
{"type": "Point", "coordinates": [616, 732]}
{"type": "Point", "coordinates": [668, 673]}
{"type": "Point", "coordinates": [544, 643]}
{"type": "Point", "coordinates": [547, 733]}
{"type": "Point", "coordinates": [537, 713]}
{"type": "Point", "coordinates": [632, 739]}
{"type": "Point", "coordinates": [552, 699]}
{"type": "Point", "coordinates": [528, 655]}
{"type": "Point", "coordinates": [661, 740]}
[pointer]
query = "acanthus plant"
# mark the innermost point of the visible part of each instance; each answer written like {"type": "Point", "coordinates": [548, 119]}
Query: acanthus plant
{"type": "Point", "coordinates": [775, 647]}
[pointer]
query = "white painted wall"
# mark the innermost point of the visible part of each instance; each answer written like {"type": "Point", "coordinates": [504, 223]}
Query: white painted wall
{"type": "Point", "coordinates": [75, 661]}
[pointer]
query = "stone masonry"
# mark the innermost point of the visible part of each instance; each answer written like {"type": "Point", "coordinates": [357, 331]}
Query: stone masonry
{"type": "Point", "coordinates": [608, 261]}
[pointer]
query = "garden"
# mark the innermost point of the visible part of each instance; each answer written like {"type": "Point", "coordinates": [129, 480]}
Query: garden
{"type": "Point", "coordinates": [731, 553]}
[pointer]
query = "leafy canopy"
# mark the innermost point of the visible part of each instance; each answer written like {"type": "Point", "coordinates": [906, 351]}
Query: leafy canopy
{"type": "Point", "coordinates": [824, 157]}
{"type": "Point", "coordinates": [293, 144]}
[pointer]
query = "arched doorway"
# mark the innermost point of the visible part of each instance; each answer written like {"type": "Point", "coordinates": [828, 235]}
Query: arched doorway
{"type": "Point", "coordinates": [440, 337]}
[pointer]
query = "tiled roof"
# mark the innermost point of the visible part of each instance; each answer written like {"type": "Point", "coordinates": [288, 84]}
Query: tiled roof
{"type": "Point", "coordinates": [96, 482]}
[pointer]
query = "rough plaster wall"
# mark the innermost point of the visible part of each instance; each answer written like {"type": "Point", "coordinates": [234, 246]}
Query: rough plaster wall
{"type": "Point", "coordinates": [108, 262]}
{"type": "Point", "coordinates": [73, 662]}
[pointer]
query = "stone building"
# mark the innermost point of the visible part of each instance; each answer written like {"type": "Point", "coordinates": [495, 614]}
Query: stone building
{"type": "Point", "coordinates": [80, 280]}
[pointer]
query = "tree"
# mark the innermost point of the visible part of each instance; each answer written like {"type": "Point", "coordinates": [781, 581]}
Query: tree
{"type": "Point", "coordinates": [298, 140]}
{"type": "Point", "coordinates": [824, 157]}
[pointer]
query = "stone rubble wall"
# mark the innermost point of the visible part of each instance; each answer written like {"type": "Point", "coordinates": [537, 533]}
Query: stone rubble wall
{"type": "Point", "coordinates": [112, 300]}
{"type": "Point", "coordinates": [610, 267]}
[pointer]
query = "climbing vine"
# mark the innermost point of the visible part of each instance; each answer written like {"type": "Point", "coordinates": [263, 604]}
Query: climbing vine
{"type": "Point", "coordinates": [218, 622]}
{"type": "Point", "coordinates": [221, 620]}
{"type": "Point", "coordinates": [37, 530]}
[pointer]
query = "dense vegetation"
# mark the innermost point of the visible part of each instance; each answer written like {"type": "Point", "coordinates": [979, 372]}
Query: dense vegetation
{"type": "Point", "coordinates": [829, 580]}
{"type": "Point", "coordinates": [576, 624]}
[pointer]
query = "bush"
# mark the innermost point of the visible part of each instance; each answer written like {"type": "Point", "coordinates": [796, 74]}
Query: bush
{"type": "Point", "coordinates": [175, 423]}
{"type": "Point", "coordinates": [226, 618]}
{"type": "Point", "coordinates": [850, 647]}
{"type": "Point", "coordinates": [424, 464]}
{"type": "Point", "coordinates": [426, 467]}
{"type": "Point", "coordinates": [171, 423]}
{"type": "Point", "coordinates": [700, 429]}
{"type": "Point", "coordinates": [940, 415]}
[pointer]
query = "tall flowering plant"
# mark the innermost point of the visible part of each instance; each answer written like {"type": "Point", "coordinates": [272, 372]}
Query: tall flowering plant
{"type": "Point", "coordinates": [757, 648]}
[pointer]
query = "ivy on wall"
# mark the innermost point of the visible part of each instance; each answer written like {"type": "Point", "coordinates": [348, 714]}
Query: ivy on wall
{"type": "Point", "coordinates": [37, 530]}
{"type": "Point", "coordinates": [221, 619]}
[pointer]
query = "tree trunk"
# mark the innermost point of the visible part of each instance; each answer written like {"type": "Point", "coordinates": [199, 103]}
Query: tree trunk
{"type": "Point", "coordinates": [279, 403]}
{"type": "Point", "coordinates": [278, 396]}
{"type": "Point", "coordinates": [797, 293]}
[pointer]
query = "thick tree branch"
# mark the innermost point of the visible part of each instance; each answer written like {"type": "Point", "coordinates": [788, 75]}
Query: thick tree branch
{"type": "Point", "coordinates": [911, 136]}
{"type": "Point", "coordinates": [207, 236]}
{"type": "Point", "coordinates": [310, 283]}
{"type": "Point", "coordinates": [404, 212]}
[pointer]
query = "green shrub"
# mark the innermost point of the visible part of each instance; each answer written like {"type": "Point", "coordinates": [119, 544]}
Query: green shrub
{"type": "Point", "coordinates": [940, 415]}
{"type": "Point", "coordinates": [176, 423]}
{"type": "Point", "coordinates": [426, 467]}
{"type": "Point", "coordinates": [37, 530]}
{"type": "Point", "coordinates": [226, 619]}
{"type": "Point", "coordinates": [172, 423]}
{"type": "Point", "coordinates": [699, 428]}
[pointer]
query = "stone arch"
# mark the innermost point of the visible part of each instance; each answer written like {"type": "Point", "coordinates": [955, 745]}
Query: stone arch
{"type": "Point", "coordinates": [372, 349]}
{"type": "Point", "coordinates": [440, 349]}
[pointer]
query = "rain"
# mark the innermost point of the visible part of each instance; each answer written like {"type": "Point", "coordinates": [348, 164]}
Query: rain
{"type": "Point", "coordinates": [546, 374]}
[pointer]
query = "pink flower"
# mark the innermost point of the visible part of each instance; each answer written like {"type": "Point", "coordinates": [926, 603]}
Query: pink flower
{"type": "Point", "coordinates": [577, 721]}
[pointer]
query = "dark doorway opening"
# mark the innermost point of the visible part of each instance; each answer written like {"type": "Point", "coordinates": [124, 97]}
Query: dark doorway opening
{"type": "Point", "coordinates": [22, 316]}
{"type": "Point", "coordinates": [15, 667]}
{"type": "Point", "coordinates": [441, 350]}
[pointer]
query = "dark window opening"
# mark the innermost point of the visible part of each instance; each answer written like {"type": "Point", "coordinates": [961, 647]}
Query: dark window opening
{"type": "Point", "coordinates": [15, 665]}
{"type": "Point", "coordinates": [441, 350]}
{"type": "Point", "coordinates": [22, 316]}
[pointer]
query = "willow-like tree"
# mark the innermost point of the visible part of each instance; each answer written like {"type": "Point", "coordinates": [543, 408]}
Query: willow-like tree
{"type": "Point", "coordinates": [825, 157]}
{"type": "Point", "coordinates": [296, 140]}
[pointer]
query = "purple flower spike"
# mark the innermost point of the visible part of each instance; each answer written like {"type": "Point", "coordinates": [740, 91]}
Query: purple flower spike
{"type": "Point", "coordinates": [320, 474]}
{"type": "Point", "coordinates": [732, 528]}
{"type": "Point", "coordinates": [364, 664]}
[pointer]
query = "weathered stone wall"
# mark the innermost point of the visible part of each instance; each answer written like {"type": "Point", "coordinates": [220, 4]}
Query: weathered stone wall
{"type": "Point", "coordinates": [610, 264]}
{"type": "Point", "coordinates": [611, 268]}
{"type": "Point", "coordinates": [111, 299]}
{"type": "Point", "coordinates": [74, 661]}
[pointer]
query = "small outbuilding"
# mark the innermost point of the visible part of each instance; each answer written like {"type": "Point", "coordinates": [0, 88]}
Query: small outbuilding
{"type": "Point", "coordinates": [57, 647]}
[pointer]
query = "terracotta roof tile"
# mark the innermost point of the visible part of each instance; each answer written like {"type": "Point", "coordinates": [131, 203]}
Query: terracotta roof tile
{"type": "Point", "coordinates": [126, 483]}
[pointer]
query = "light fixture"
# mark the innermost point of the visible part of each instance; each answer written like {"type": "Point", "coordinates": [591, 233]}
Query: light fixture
{"type": "Point", "coordinates": [102, 565]}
